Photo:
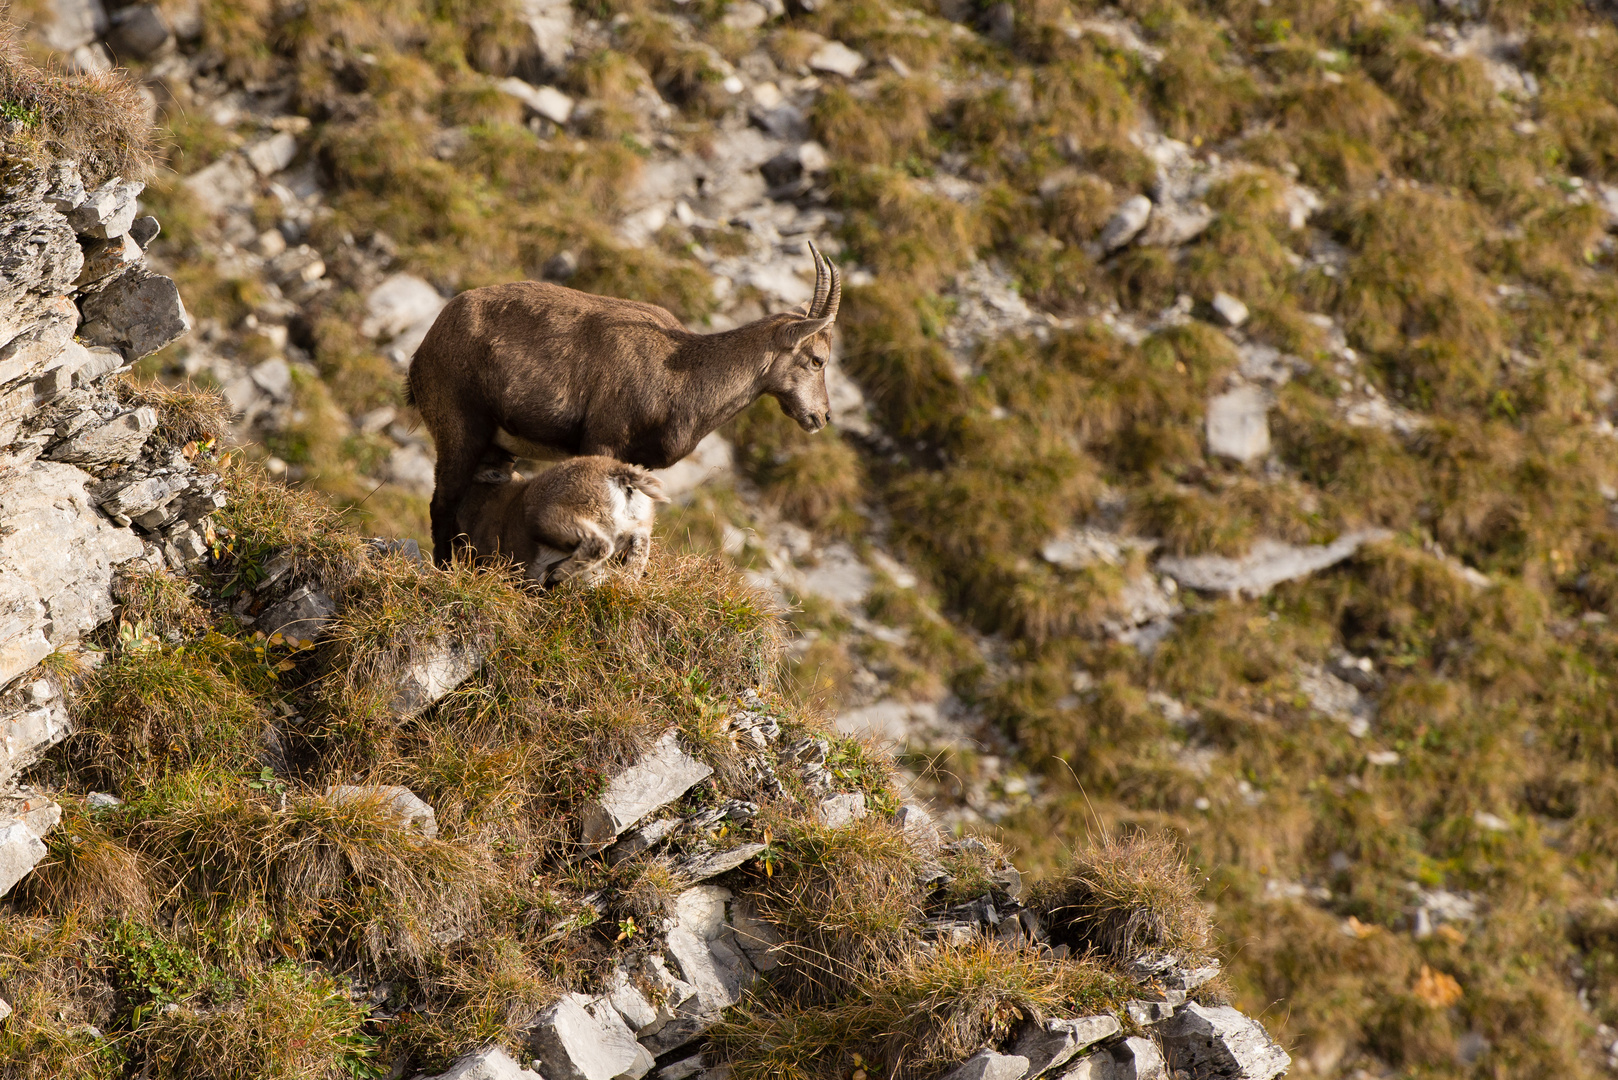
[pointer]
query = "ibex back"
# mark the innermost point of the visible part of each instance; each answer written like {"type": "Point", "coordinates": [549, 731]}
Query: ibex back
{"type": "Point", "coordinates": [546, 371]}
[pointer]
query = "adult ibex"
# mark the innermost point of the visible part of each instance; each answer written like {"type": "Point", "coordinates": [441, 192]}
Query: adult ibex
{"type": "Point", "coordinates": [544, 372]}
{"type": "Point", "coordinates": [571, 521]}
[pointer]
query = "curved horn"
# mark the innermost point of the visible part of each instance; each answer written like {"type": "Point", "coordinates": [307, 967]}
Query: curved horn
{"type": "Point", "coordinates": [836, 298]}
{"type": "Point", "coordinates": [822, 280]}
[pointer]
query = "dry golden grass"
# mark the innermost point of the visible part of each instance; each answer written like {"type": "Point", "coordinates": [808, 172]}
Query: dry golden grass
{"type": "Point", "coordinates": [100, 121]}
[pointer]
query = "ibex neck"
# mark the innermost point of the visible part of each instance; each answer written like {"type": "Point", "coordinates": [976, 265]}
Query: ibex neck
{"type": "Point", "coordinates": [725, 372]}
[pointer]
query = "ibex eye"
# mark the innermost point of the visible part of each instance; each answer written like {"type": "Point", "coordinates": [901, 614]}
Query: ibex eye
{"type": "Point", "coordinates": [817, 363]}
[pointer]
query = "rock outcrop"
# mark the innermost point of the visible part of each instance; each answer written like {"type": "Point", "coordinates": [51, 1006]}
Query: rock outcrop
{"type": "Point", "coordinates": [85, 487]}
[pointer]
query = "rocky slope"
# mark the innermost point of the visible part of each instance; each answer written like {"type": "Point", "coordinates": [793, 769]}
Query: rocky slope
{"type": "Point", "coordinates": [205, 673]}
{"type": "Point", "coordinates": [1224, 411]}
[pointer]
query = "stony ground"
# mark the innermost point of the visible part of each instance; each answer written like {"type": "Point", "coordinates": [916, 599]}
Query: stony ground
{"type": "Point", "coordinates": [1223, 433]}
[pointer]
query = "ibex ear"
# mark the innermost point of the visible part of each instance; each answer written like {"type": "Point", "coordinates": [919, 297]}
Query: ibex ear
{"type": "Point", "coordinates": [796, 332]}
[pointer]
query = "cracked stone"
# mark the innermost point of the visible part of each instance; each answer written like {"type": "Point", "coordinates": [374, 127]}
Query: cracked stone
{"type": "Point", "coordinates": [659, 777]}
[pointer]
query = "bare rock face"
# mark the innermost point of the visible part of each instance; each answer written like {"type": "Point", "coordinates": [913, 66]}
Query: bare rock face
{"type": "Point", "coordinates": [660, 776]}
{"type": "Point", "coordinates": [1056, 1042]}
{"type": "Point", "coordinates": [1238, 424]}
{"type": "Point", "coordinates": [491, 1063]}
{"type": "Point", "coordinates": [137, 311]}
{"type": "Point", "coordinates": [572, 1043]}
{"type": "Point", "coordinates": [20, 850]}
{"type": "Point", "coordinates": [988, 1065]}
{"type": "Point", "coordinates": [1269, 563]}
{"type": "Point", "coordinates": [33, 719]}
{"type": "Point", "coordinates": [38, 254]}
{"type": "Point", "coordinates": [434, 672]}
{"type": "Point", "coordinates": [1220, 1042]}
{"type": "Point", "coordinates": [57, 556]}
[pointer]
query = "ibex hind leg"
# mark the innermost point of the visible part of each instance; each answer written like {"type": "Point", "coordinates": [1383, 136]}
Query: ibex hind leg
{"type": "Point", "coordinates": [459, 452]}
{"type": "Point", "coordinates": [588, 561]}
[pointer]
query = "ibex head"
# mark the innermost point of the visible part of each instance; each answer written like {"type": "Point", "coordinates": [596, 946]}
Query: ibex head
{"type": "Point", "coordinates": [796, 376]}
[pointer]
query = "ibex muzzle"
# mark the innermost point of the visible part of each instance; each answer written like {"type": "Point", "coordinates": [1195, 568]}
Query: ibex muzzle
{"type": "Point", "coordinates": [553, 371]}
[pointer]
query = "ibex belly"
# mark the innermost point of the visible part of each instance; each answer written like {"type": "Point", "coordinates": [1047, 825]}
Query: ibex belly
{"type": "Point", "coordinates": [521, 447]}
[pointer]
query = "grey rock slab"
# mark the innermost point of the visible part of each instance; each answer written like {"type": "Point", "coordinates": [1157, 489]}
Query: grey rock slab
{"type": "Point", "coordinates": [1268, 564]}
{"type": "Point", "coordinates": [545, 101]}
{"type": "Point", "coordinates": [1218, 1041]}
{"type": "Point", "coordinates": [38, 254]}
{"type": "Point", "coordinates": [20, 852]}
{"type": "Point", "coordinates": [1229, 309]}
{"type": "Point", "coordinates": [656, 779]}
{"type": "Point", "coordinates": [711, 864]}
{"type": "Point", "coordinates": [5, 1009]}
{"type": "Point", "coordinates": [119, 438]}
{"type": "Point", "coordinates": [33, 347]}
{"type": "Point", "coordinates": [918, 828]}
{"type": "Point", "coordinates": [27, 730]}
{"type": "Point", "coordinates": [988, 1065]}
{"type": "Point", "coordinates": [1146, 1013]}
{"type": "Point", "coordinates": [682, 1069]}
{"type": "Point", "coordinates": [124, 502]}
{"type": "Point", "coordinates": [837, 59]}
{"type": "Point", "coordinates": [840, 811]}
{"type": "Point", "coordinates": [68, 24]}
{"type": "Point", "coordinates": [434, 671]}
{"type": "Point", "coordinates": [104, 258]}
{"type": "Point", "coordinates": [229, 184]}
{"type": "Point", "coordinates": [57, 556]}
{"type": "Point", "coordinates": [76, 366]}
{"type": "Point", "coordinates": [271, 155]}
{"type": "Point", "coordinates": [66, 188]}
{"type": "Point", "coordinates": [1173, 224]}
{"type": "Point", "coordinates": [304, 614]}
{"type": "Point", "coordinates": [1126, 222]}
{"type": "Point", "coordinates": [490, 1063]}
{"type": "Point", "coordinates": [839, 576]}
{"type": "Point", "coordinates": [571, 1044]}
{"type": "Point", "coordinates": [144, 230]}
{"type": "Point", "coordinates": [33, 809]}
{"type": "Point", "coordinates": [1238, 424]}
{"type": "Point", "coordinates": [756, 936]}
{"type": "Point", "coordinates": [108, 211]}
{"type": "Point", "coordinates": [137, 311]}
{"type": "Point", "coordinates": [551, 23]}
{"type": "Point", "coordinates": [399, 803]}
{"type": "Point", "coordinates": [139, 31]}
{"type": "Point", "coordinates": [399, 303]}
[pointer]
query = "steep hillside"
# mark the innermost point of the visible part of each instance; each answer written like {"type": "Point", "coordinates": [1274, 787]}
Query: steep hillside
{"type": "Point", "coordinates": [277, 801]}
{"type": "Point", "coordinates": [1223, 431]}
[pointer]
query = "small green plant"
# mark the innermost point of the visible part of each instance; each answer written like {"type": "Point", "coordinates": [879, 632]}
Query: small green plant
{"type": "Point", "coordinates": [268, 782]}
{"type": "Point", "coordinates": [16, 113]}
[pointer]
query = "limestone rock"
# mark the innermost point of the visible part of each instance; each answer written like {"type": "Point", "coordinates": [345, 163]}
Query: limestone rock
{"type": "Point", "coordinates": [757, 937]}
{"type": "Point", "coordinates": [5, 1008]}
{"type": "Point", "coordinates": [108, 211]}
{"type": "Point", "coordinates": [34, 346]}
{"type": "Point", "coordinates": [840, 811]}
{"type": "Point", "coordinates": [1238, 424]}
{"type": "Point", "coordinates": [69, 24]}
{"type": "Point", "coordinates": [918, 828]}
{"type": "Point", "coordinates": [1229, 309]}
{"type": "Point", "coordinates": [659, 777]}
{"type": "Point", "coordinates": [401, 302]}
{"type": "Point", "coordinates": [837, 59]}
{"type": "Point", "coordinates": [551, 23]}
{"type": "Point", "coordinates": [1173, 224]}
{"type": "Point", "coordinates": [491, 1063]}
{"type": "Point", "coordinates": [229, 184]}
{"type": "Point", "coordinates": [1269, 563]}
{"type": "Point", "coordinates": [296, 266]}
{"type": "Point", "coordinates": [65, 188]}
{"type": "Point", "coordinates": [124, 502]}
{"type": "Point", "coordinates": [1218, 1041]}
{"type": "Point", "coordinates": [105, 258]}
{"type": "Point", "coordinates": [29, 727]}
{"type": "Point", "coordinates": [988, 1065]}
{"type": "Point", "coordinates": [20, 851]}
{"type": "Point", "coordinates": [144, 230]}
{"type": "Point", "coordinates": [38, 254]}
{"type": "Point", "coordinates": [572, 1044]}
{"type": "Point", "coordinates": [1126, 222]}
{"type": "Point", "coordinates": [33, 809]}
{"type": "Point", "coordinates": [304, 614]}
{"type": "Point", "coordinates": [1056, 1042]}
{"type": "Point", "coordinates": [57, 556]}
{"type": "Point", "coordinates": [713, 863]}
{"type": "Point", "coordinates": [434, 671]}
{"type": "Point", "coordinates": [546, 101]}
{"type": "Point", "coordinates": [139, 31]}
{"type": "Point", "coordinates": [397, 802]}
{"type": "Point", "coordinates": [137, 311]}
{"type": "Point", "coordinates": [119, 438]}
{"type": "Point", "coordinates": [701, 944]}
{"type": "Point", "coordinates": [269, 156]}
